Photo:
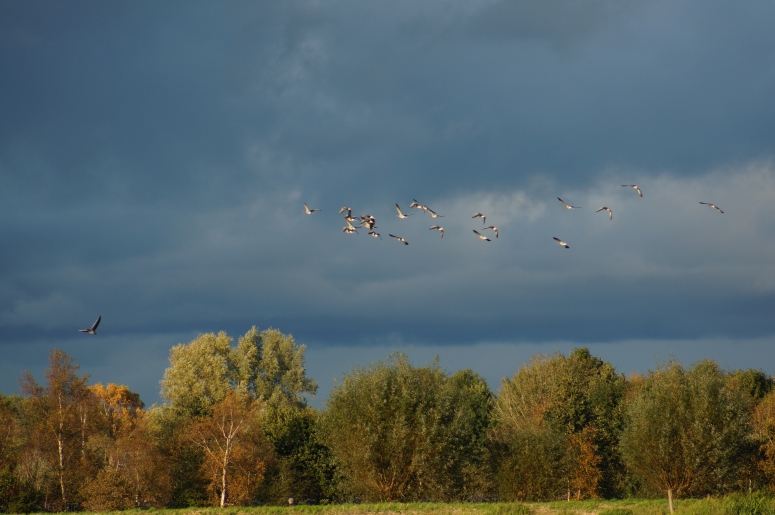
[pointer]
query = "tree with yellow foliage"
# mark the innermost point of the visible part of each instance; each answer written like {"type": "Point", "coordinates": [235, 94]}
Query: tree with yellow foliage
{"type": "Point", "coordinates": [230, 437]}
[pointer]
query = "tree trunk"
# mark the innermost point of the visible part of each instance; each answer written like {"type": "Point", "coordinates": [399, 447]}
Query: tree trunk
{"type": "Point", "coordinates": [670, 498]}
{"type": "Point", "coordinates": [223, 477]}
{"type": "Point", "coordinates": [60, 444]}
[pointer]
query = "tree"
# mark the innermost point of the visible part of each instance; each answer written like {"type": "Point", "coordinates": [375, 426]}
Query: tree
{"type": "Point", "coordinates": [120, 407]}
{"type": "Point", "coordinates": [402, 433]}
{"type": "Point", "coordinates": [567, 409]}
{"type": "Point", "coordinates": [303, 467]}
{"type": "Point", "coordinates": [57, 408]}
{"type": "Point", "coordinates": [764, 433]}
{"type": "Point", "coordinates": [265, 365]}
{"type": "Point", "coordinates": [232, 456]}
{"type": "Point", "coordinates": [687, 431]}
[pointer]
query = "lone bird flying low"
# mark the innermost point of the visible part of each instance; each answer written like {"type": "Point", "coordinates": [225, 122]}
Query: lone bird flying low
{"type": "Point", "coordinates": [399, 238]}
{"type": "Point", "coordinates": [560, 242]}
{"type": "Point", "coordinates": [438, 228]}
{"type": "Point", "coordinates": [635, 187]}
{"type": "Point", "coordinates": [714, 206]}
{"type": "Point", "coordinates": [481, 236]}
{"type": "Point", "coordinates": [567, 206]}
{"type": "Point", "coordinates": [308, 210]}
{"type": "Point", "coordinates": [93, 328]}
{"type": "Point", "coordinates": [610, 213]}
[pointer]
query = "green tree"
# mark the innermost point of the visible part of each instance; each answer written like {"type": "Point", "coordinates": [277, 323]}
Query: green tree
{"type": "Point", "coordinates": [687, 431]}
{"type": "Point", "coordinates": [402, 433]}
{"type": "Point", "coordinates": [303, 468]}
{"type": "Point", "coordinates": [568, 410]}
{"type": "Point", "coordinates": [266, 365]}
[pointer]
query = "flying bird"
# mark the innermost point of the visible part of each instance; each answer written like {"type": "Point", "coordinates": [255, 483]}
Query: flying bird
{"type": "Point", "coordinates": [481, 236]}
{"type": "Point", "coordinates": [635, 187]}
{"type": "Point", "coordinates": [438, 228]}
{"type": "Point", "coordinates": [345, 208]}
{"type": "Point", "coordinates": [433, 213]}
{"type": "Point", "coordinates": [368, 221]}
{"type": "Point", "coordinates": [399, 238]}
{"type": "Point", "coordinates": [375, 235]}
{"type": "Point", "coordinates": [308, 210]}
{"type": "Point", "coordinates": [560, 242]}
{"type": "Point", "coordinates": [610, 213]}
{"type": "Point", "coordinates": [401, 213]}
{"type": "Point", "coordinates": [93, 328]}
{"type": "Point", "coordinates": [484, 218]}
{"type": "Point", "coordinates": [493, 228]}
{"type": "Point", "coordinates": [567, 206]}
{"type": "Point", "coordinates": [714, 206]}
{"type": "Point", "coordinates": [350, 230]}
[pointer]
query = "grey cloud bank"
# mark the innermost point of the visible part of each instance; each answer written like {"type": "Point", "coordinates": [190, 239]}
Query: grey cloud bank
{"type": "Point", "coordinates": [154, 160]}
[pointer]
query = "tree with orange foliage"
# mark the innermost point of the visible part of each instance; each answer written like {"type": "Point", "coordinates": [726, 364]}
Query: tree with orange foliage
{"type": "Point", "coordinates": [120, 406]}
{"type": "Point", "coordinates": [234, 455]}
{"type": "Point", "coordinates": [56, 408]}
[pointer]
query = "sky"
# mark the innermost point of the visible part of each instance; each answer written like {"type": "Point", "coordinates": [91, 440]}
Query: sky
{"type": "Point", "coordinates": [155, 159]}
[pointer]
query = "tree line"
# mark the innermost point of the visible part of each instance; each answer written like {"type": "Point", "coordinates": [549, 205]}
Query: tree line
{"type": "Point", "coordinates": [236, 429]}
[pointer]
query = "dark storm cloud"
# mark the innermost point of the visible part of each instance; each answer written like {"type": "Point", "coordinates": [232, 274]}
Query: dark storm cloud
{"type": "Point", "coordinates": [154, 160]}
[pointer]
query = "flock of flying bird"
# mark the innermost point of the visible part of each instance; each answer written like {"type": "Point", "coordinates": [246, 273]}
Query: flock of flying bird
{"type": "Point", "coordinates": [369, 222]}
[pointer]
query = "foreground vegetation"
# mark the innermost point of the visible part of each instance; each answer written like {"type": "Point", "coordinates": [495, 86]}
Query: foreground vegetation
{"type": "Point", "coordinates": [730, 505]}
{"type": "Point", "coordinates": [235, 430]}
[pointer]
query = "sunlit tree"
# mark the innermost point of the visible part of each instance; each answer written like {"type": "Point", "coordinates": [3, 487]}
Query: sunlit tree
{"type": "Point", "coordinates": [567, 409]}
{"type": "Point", "coordinates": [402, 433]}
{"type": "Point", "coordinates": [57, 407]}
{"type": "Point", "coordinates": [687, 431]}
{"type": "Point", "coordinates": [228, 439]}
{"type": "Point", "coordinates": [266, 365]}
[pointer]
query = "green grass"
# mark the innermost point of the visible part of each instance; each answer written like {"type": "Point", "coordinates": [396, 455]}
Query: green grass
{"type": "Point", "coordinates": [730, 505]}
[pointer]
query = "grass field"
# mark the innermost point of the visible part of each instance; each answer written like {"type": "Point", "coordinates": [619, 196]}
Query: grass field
{"type": "Point", "coordinates": [732, 505]}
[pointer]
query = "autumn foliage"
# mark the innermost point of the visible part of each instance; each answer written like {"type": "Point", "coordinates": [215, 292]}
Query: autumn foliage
{"type": "Point", "coordinates": [237, 429]}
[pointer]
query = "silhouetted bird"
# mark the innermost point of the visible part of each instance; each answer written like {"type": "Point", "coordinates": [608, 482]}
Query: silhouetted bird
{"type": "Point", "coordinates": [93, 328]}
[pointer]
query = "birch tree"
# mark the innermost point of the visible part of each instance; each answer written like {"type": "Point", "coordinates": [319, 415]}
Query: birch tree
{"type": "Point", "coordinates": [57, 408]}
{"type": "Point", "coordinates": [224, 436]}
